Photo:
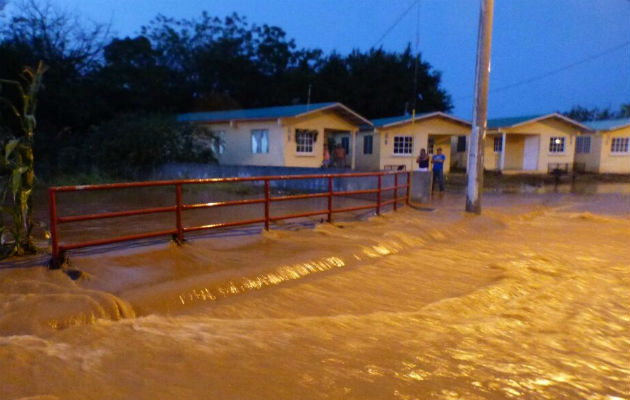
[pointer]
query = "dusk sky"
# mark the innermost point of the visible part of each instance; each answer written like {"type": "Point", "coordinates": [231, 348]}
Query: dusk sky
{"type": "Point", "coordinates": [547, 55]}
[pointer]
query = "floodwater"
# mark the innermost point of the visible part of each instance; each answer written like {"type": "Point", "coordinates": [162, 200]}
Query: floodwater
{"type": "Point", "coordinates": [530, 300]}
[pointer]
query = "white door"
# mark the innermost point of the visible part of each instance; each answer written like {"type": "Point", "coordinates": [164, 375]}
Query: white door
{"type": "Point", "coordinates": [530, 153]}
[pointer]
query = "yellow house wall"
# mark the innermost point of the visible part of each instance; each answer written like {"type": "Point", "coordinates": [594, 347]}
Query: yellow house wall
{"type": "Point", "coordinates": [319, 121]}
{"type": "Point", "coordinates": [238, 147]}
{"type": "Point", "coordinates": [514, 147]}
{"type": "Point", "coordinates": [445, 143]}
{"type": "Point", "coordinates": [367, 162]}
{"type": "Point", "coordinates": [614, 162]}
{"type": "Point", "coordinates": [491, 160]}
{"type": "Point", "coordinates": [591, 160]}
{"type": "Point", "coordinates": [547, 129]}
{"type": "Point", "coordinates": [441, 129]}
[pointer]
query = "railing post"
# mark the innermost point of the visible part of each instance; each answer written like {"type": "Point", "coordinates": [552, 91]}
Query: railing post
{"type": "Point", "coordinates": [408, 187]}
{"type": "Point", "coordinates": [55, 261]}
{"type": "Point", "coordinates": [330, 198]}
{"type": "Point", "coordinates": [178, 213]}
{"type": "Point", "coordinates": [378, 195]}
{"type": "Point", "coordinates": [395, 191]}
{"type": "Point", "coordinates": [267, 201]}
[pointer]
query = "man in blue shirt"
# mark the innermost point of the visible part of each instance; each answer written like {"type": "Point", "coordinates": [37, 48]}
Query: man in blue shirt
{"type": "Point", "coordinates": [438, 169]}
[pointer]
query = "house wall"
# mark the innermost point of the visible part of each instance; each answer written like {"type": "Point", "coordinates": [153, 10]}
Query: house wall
{"type": "Point", "coordinates": [441, 129]}
{"type": "Point", "coordinates": [317, 121]}
{"type": "Point", "coordinates": [367, 162]}
{"type": "Point", "coordinates": [459, 159]}
{"type": "Point", "coordinates": [514, 148]}
{"type": "Point", "coordinates": [591, 160]}
{"type": "Point", "coordinates": [445, 143]}
{"type": "Point", "coordinates": [491, 160]}
{"type": "Point", "coordinates": [547, 129]}
{"type": "Point", "coordinates": [238, 143]}
{"type": "Point", "coordinates": [614, 162]}
{"type": "Point", "coordinates": [282, 146]}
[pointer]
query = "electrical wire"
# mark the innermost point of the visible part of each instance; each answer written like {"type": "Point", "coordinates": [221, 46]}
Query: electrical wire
{"type": "Point", "coordinates": [554, 71]}
{"type": "Point", "coordinates": [396, 22]}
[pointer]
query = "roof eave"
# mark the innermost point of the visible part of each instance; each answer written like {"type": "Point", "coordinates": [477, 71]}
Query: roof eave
{"type": "Point", "coordinates": [438, 114]}
{"type": "Point", "coordinates": [361, 120]}
{"type": "Point", "coordinates": [547, 116]}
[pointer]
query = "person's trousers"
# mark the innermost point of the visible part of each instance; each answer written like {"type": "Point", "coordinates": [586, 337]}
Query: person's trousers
{"type": "Point", "coordinates": [438, 176]}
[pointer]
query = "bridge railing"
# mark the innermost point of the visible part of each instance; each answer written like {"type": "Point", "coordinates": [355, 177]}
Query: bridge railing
{"type": "Point", "coordinates": [178, 231]}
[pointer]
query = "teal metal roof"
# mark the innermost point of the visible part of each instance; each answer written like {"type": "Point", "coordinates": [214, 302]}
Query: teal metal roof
{"type": "Point", "coordinates": [510, 121]}
{"type": "Point", "coordinates": [608, 124]}
{"type": "Point", "coordinates": [379, 122]}
{"type": "Point", "coordinates": [252, 113]}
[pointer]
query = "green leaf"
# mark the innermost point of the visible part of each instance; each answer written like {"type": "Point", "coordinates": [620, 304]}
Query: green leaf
{"type": "Point", "coordinates": [24, 195]}
{"type": "Point", "coordinates": [8, 149]}
{"type": "Point", "coordinates": [16, 180]}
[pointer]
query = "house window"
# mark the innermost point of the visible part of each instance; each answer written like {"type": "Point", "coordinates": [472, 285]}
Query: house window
{"type": "Point", "coordinates": [583, 144]}
{"type": "Point", "coordinates": [556, 144]}
{"type": "Point", "coordinates": [345, 143]}
{"type": "Point", "coordinates": [461, 144]}
{"type": "Point", "coordinates": [367, 144]}
{"type": "Point", "coordinates": [498, 144]}
{"type": "Point", "coordinates": [403, 145]}
{"type": "Point", "coordinates": [430, 145]}
{"type": "Point", "coordinates": [260, 141]}
{"type": "Point", "coordinates": [619, 145]}
{"type": "Point", "coordinates": [218, 142]}
{"type": "Point", "coordinates": [304, 140]}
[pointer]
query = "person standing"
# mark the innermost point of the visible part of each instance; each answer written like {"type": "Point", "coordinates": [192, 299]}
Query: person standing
{"type": "Point", "coordinates": [438, 160]}
{"type": "Point", "coordinates": [340, 156]}
{"type": "Point", "coordinates": [326, 161]}
{"type": "Point", "coordinates": [423, 161]}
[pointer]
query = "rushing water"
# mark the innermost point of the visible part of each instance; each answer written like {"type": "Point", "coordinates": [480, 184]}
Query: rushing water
{"type": "Point", "coordinates": [530, 300]}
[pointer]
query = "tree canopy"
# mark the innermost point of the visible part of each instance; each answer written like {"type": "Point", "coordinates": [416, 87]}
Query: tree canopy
{"type": "Point", "coordinates": [580, 113]}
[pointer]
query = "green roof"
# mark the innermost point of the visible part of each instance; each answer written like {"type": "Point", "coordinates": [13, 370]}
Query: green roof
{"type": "Point", "coordinates": [390, 120]}
{"type": "Point", "coordinates": [381, 122]}
{"type": "Point", "coordinates": [252, 113]}
{"type": "Point", "coordinates": [608, 124]}
{"type": "Point", "coordinates": [510, 121]}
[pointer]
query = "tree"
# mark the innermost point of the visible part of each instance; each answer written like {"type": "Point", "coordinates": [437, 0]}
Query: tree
{"type": "Point", "coordinates": [71, 49]}
{"type": "Point", "coordinates": [129, 143]}
{"type": "Point", "coordinates": [17, 160]}
{"type": "Point", "coordinates": [580, 113]}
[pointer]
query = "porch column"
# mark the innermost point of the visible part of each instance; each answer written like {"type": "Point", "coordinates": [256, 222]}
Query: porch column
{"type": "Point", "coordinates": [353, 148]}
{"type": "Point", "coordinates": [502, 159]}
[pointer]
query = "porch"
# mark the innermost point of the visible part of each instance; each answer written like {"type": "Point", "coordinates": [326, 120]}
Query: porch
{"type": "Point", "coordinates": [516, 153]}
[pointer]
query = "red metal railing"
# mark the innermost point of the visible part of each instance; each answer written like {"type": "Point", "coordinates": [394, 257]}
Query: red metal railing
{"type": "Point", "coordinates": [179, 207]}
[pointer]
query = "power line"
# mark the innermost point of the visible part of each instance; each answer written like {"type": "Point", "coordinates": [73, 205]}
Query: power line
{"type": "Point", "coordinates": [554, 71]}
{"type": "Point", "coordinates": [400, 17]}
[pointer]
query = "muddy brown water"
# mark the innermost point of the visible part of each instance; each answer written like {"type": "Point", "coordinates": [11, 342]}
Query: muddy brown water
{"type": "Point", "coordinates": [529, 300]}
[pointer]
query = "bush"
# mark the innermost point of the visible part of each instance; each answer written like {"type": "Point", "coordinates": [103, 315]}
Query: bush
{"type": "Point", "coordinates": [131, 142]}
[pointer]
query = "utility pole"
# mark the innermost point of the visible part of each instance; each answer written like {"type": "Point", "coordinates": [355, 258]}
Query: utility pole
{"type": "Point", "coordinates": [474, 178]}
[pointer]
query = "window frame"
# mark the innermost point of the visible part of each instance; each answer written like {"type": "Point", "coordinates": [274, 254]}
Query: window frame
{"type": "Point", "coordinates": [301, 145]}
{"type": "Point", "coordinates": [218, 143]}
{"type": "Point", "coordinates": [406, 145]}
{"type": "Point", "coordinates": [264, 134]}
{"type": "Point", "coordinates": [462, 144]}
{"type": "Point", "coordinates": [430, 145]}
{"type": "Point", "coordinates": [583, 144]}
{"type": "Point", "coordinates": [368, 145]}
{"type": "Point", "coordinates": [498, 142]}
{"type": "Point", "coordinates": [553, 145]}
{"type": "Point", "coordinates": [625, 142]}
